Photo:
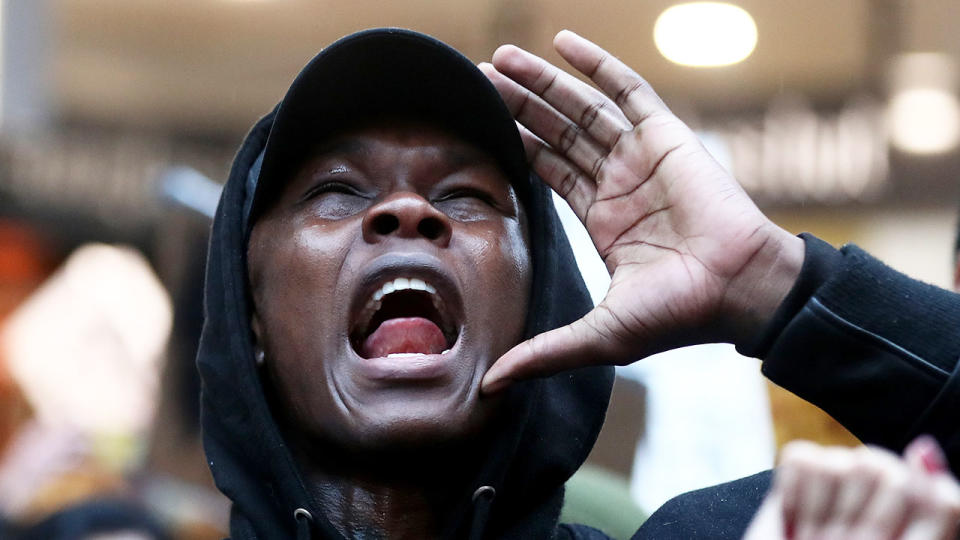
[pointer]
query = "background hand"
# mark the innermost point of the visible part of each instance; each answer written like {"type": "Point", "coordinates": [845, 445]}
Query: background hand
{"type": "Point", "coordinates": [863, 493]}
{"type": "Point", "coordinates": [691, 258]}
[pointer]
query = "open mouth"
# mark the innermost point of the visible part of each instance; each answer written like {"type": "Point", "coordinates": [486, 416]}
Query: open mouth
{"type": "Point", "coordinates": [404, 316]}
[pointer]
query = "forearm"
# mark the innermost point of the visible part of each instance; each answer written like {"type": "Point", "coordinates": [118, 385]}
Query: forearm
{"type": "Point", "coordinates": [875, 349]}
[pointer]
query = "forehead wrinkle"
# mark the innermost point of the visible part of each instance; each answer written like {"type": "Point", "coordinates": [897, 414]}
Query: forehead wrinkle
{"type": "Point", "coordinates": [348, 146]}
{"type": "Point", "coordinates": [462, 156]}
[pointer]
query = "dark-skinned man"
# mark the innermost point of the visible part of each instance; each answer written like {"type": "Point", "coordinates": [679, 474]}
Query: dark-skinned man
{"type": "Point", "coordinates": [398, 343]}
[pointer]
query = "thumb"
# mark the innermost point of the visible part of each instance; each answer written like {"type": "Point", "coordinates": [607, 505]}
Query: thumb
{"type": "Point", "coordinates": [578, 344]}
{"type": "Point", "coordinates": [924, 454]}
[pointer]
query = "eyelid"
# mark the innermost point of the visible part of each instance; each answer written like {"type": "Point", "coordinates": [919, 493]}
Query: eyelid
{"type": "Point", "coordinates": [471, 192]}
{"type": "Point", "coordinates": [328, 186]}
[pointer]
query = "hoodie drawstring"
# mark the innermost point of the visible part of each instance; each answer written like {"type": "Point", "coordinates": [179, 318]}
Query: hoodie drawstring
{"type": "Point", "coordinates": [303, 519]}
{"type": "Point", "coordinates": [482, 500]}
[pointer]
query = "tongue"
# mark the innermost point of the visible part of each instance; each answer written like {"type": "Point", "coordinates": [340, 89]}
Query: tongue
{"type": "Point", "coordinates": [404, 335]}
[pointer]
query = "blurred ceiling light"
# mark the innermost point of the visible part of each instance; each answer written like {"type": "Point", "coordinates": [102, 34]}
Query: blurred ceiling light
{"type": "Point", "coordinates": [924, 120]}
{"type": "Point", "coordinates": [705, 34]}
{"type": "Point", "coordinates": [923, 115]}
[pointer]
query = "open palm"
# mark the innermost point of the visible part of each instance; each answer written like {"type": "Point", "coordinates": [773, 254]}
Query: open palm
{"type": "Point", "coordinates": [691, 257]}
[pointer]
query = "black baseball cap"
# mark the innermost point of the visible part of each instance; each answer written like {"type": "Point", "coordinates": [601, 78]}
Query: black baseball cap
{"type": "Point", "coordinates": [389, 73]}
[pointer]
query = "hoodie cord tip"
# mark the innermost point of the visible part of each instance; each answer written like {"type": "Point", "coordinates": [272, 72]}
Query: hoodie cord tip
{"type": "Point", "coordinates": [303, 519]}
{"type": "Point", "coordinates": [482, 500]}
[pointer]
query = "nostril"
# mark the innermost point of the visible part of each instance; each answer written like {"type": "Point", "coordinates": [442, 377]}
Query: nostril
{"type": "Point", "coordinates": [430, 228]}
{"type": "Point", "coordinates": [385, 223]}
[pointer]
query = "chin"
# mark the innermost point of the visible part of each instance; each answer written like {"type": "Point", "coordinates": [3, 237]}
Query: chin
{"type": "Point", "coordinates": [422, 425]}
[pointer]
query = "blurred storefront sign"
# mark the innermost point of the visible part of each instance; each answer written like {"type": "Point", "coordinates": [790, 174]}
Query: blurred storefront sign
{"type": "Point", "coordinates": [794, 154]}
{"type": "Point", "coordinates": [790, 154]}
{"type": "Point", "coordinates": [111, 176]}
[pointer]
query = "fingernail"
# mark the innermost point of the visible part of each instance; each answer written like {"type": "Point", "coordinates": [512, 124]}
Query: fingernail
{"type": "Point", "coordinates": [929, 453]}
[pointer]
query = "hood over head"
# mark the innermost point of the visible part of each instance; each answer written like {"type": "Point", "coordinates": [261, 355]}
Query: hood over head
{"type": "Point", "coordinates": [554, 421]}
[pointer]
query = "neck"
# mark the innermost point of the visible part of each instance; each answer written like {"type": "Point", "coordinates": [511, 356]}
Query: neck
{"type": "Point", "coordinates": [397, 496]}
{"type": "Point", "coordinates": [359, 509]}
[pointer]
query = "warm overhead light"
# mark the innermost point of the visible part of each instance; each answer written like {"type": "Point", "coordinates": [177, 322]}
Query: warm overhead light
{"type": "Point", "coordinates": [923, 115]}
{"type": "Point", "coordinates": [705, 34]}
{"type": "Point", "coordinates": [924, 120]}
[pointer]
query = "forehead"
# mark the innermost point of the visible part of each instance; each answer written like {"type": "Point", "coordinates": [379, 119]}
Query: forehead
{"type": "Point", "coordinates": [423, 141]}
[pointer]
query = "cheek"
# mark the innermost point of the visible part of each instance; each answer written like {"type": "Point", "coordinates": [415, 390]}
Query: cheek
{"type": "Point", "coordinates": [306, 261]}
{"type": "Point", "coordinates": [296, 286]}
{"type": "Point", "coordinates": [505, 270]}
{"type": "Point", "coordinates": [516, 257]}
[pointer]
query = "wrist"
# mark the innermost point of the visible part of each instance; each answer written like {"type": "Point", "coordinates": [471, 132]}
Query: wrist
{"type": "Point", "coordinates": [761, 287]}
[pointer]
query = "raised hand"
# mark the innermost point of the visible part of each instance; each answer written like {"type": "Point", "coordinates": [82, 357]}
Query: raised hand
{"type": "Point", "coordinates": [692, 259]}
{"type": "Point", "coordinates": [863, 493]}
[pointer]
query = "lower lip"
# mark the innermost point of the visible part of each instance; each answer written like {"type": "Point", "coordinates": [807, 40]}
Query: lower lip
{"type": "Point", "coordinates": [408, 367]}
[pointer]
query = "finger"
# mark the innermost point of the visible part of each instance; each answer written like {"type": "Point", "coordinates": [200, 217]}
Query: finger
{"type": "Point", "coordinates": [821, 472]}
{"type": "Point", "coordinates": [890, 504]}
{"type": "Point", "coordinates": [629, 91]}
{"type": "Point", "coordinates": [937, 513]}
{"type": "Point", "coordinates": [854, 491]}
{"type": "Point", "coordinates": [791, 482]}
{"type": "Point", "coordinates": [924, 454]}
{"type": "Point", "coordinates": [930, 528]}
{"type": "Point", "coordinates": [565, 136]}
{"type": "Point", "coordinates": [944, 510]}
{"type": "Point", "coordinates": [572, 346]}
{"type": "Point", "coordinates": [935, 507]}
{"type": "Point", "coordinates": [567, 180]}
{"type": "Point", "coordinates": [594, 112]}
{"type": "Point", "coordinates": [787, 483]}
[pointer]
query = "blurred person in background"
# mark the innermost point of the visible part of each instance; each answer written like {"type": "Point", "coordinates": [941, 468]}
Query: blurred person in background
{"type": "Point", "coordinates": [380, 243]}
{"type": "Point", "coordinates": [95, 519]}
{"type": "Point", "coordinates": [68, 469]}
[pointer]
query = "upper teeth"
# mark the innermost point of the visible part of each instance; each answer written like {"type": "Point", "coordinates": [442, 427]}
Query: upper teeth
{"type": "Point", "coordinates": [401, 284]}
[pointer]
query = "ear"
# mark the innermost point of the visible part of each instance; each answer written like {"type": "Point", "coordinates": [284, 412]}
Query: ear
{"type": "Point", "coordinates": [255, 328]}
{"type": "Point", "coordinates": [259, 354]}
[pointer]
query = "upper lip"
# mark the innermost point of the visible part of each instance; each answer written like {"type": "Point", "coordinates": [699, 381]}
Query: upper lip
{"type": "Point", "coordinates": [391, 266]}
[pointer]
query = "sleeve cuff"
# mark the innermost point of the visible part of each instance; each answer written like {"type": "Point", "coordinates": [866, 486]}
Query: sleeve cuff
{"type": "Point", "coordinates": [820, 261]}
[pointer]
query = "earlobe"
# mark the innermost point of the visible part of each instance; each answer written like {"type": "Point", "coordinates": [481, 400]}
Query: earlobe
{"type": "Point", "coordinates": [258, 353]}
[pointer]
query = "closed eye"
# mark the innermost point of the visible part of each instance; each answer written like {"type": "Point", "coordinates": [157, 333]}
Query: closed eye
{"type": "Point", "coordinates": [471, 193]}
{"type": "Point", "coordinates": [331, 187]}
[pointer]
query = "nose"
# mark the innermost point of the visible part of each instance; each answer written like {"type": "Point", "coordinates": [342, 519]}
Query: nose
{"type": "Point", "coordinates": [406, 215]}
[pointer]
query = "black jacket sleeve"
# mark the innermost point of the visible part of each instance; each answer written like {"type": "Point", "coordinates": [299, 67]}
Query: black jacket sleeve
{"type": "Point", "coordinates": [720, 512]}
{"type": "Point", "coordinates": [873, 348]}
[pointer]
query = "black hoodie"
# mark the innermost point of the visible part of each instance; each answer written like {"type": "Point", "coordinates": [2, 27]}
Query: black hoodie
{"type": "Point", "coordinates": [552, 426]}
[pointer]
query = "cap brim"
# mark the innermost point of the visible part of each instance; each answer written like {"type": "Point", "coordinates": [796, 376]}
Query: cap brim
{"type": "Point", "coordinates": [388, 73]}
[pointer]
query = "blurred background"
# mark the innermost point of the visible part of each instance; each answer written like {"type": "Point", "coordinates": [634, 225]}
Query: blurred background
{"type": "Point", "coordinates": [119, 118]}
